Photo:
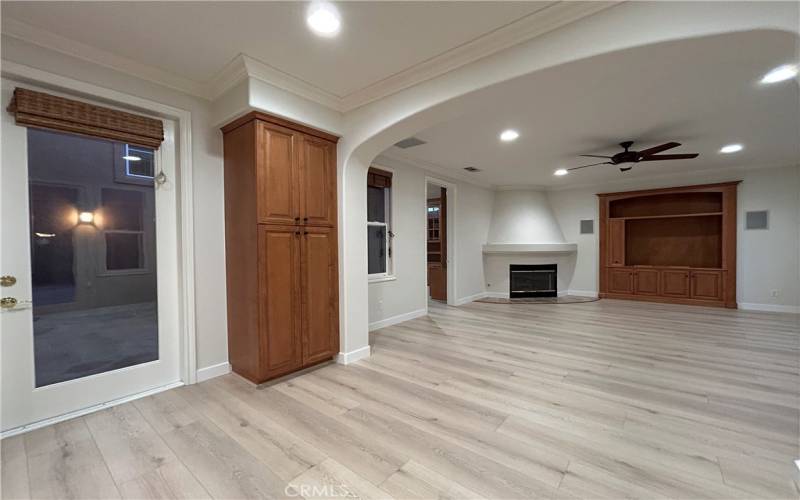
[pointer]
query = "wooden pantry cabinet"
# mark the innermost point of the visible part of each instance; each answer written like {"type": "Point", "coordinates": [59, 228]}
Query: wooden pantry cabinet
{"type": "Point", "coordinates": [281, 246]}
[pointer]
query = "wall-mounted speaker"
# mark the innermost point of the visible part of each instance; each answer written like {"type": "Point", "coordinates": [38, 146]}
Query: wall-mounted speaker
{"type": "Point", "coordinates": [587, 226]}
{"type": "Point", "coordinates": [757, 219]}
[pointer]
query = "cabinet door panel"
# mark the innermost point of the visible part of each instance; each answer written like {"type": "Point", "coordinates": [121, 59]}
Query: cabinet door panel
{"type": "Point", "coordinates": [616, 242]}
{"type": "Point", "coordinates": [646, 282]}
{"type": "Point", "coordinates": [277, 165]}
{"type": "Point", "coordinates": [620, 281]}
{"type": "Point", "coordinates": [318, 182]}
{"type": "Point", "coordinates": [320, 295]}
{"type": "Point", "coordinates": [675, 283]}
{"type": "Point", "coordinates": [279, 299]}
{"type": "Point", "coordinates": [707, 285]}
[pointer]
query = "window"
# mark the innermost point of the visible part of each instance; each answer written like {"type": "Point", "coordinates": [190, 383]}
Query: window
{"type": "Point", "coordinates": [123, 230]}
{"type": "Point", "coordinates": [379, 220]}
{"type": "Point", "coordinates": [134, 164]}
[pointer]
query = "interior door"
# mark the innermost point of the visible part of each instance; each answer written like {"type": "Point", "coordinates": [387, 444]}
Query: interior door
{"type": "Point", "coordinates": [319, 292]}
{"type": "Point", "coordinates": [88, 254]}
{"type": "Point", "coordinates": [437, 269]}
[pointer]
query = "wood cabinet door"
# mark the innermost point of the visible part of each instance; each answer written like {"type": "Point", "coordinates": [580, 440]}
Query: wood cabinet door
{"type": "Point", "coordinates": [646, 282]}
{"type": "Point", "coordinates": [277, 162]}
{"type": "Point", "coordinates": [279, 299]}
{"type": "Point", "coordinates": [616, 242]}
{"type": "Point", "coordinates": [675, 283]}
{"type": "Point", "coordinates": [707, 285]}
{"type": "Point", "coordinates": [320, 290]}
{"type": "Point", "coordinates": [437, 281]}
{"type": "Point", "coordinates": [620, 281]}
{"type": "Point", "coordinates": [318, 182]}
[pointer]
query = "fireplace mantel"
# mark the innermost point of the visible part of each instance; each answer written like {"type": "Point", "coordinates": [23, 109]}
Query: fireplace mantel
{"type": "Point", "coordinates": [529, 248]}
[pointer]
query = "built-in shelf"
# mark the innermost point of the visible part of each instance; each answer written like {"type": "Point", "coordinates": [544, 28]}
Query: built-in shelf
{"type": "Point", "coordinates": [703, 214]}
{"type": "Point", "coordinates": [530, 248]}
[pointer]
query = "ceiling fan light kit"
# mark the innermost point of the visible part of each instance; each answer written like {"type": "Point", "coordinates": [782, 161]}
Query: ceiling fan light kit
{"type": "Point", "coordinates": [628, 156]}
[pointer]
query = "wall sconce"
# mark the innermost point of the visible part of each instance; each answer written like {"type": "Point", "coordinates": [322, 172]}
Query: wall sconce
{"type": "Point", "coordinates": [86, 217]}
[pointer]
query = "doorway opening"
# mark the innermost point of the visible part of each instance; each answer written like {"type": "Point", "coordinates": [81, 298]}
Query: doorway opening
{"type": "Point", "coordinates": [436, 243]}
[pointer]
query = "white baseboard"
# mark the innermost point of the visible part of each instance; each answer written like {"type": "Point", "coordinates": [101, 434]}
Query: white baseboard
{"type": "Point", "coordinates": [583, 293]}
{"type": "Point", "coordinates": [750, 306]}
{"type": "Point", "coordinates": [497, 295]}
{"type": "Point", "coordinates": [212, 371]}
{"type": "Point", "coordinates": [397, 319]}
{"type": "Point", "coordinates": [345, 358]}
{"type": "Point", "coordinates": [471, 298]}
{"type": "Point", "coordinates": [85, 411]}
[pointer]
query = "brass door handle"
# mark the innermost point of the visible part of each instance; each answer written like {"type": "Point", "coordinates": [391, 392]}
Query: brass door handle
{"type": "Point", "coordinates": [8, 302]}
{"type": "Point", "coordinates": [8, 280]}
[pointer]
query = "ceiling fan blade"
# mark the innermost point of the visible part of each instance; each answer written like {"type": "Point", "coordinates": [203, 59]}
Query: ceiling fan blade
{"type": "Point", "coordinates": [670, 157]}
{"type": "Point", "coordinates": [596, 156]}
{"type": "Point", "coordinates": [592, 165]}
{"type": "Point", "coordinates": [658, 149]}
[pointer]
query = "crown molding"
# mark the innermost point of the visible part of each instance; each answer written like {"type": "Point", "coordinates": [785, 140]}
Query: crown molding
{"type": "Point", "coordinates": [537, 23]}
{"type": "Point", "coordinates": [43, 38]}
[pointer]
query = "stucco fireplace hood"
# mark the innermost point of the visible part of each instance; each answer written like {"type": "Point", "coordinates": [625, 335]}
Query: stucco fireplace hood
{"type": "Point", "coordinates": [522, 222]}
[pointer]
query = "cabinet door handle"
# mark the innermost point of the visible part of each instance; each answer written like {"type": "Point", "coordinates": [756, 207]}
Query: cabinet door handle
{"type": "Point", "coordinates": [305, 232]}
{"type": "Point", "coordinates": [297, 233]}
{"type": "Point", "coordinates": [305, 219]}
{"type": "Point", "coordinates": [297, 219]}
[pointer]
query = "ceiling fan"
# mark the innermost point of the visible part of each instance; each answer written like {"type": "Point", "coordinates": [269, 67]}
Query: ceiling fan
{"type": "Point", "coordinates": [628, 156]}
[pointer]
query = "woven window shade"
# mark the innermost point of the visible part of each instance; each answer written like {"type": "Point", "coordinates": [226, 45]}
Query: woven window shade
{"type": "Point", "coordinates": [40, 110]}
{"type": "Point", "coordinates": [379, 178]}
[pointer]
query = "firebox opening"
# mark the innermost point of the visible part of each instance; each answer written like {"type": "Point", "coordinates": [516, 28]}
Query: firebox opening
{"type": "Point", "coordinates": [533, 280]}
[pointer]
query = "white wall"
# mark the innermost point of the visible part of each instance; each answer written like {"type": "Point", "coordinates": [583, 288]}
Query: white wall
{"type": "Point", "coordinates": [406, 296]}
{"type": "Point", "coordinates": [767, 260]}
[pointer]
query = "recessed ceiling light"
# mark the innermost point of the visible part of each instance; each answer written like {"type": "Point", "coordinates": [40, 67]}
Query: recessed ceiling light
{"type": "Point", "coordinates": [323, 19]}
{"type": "Point", "coordinates": [131, 158]}
{"type": "Point", "coordinates": [561, 171]}
{"type": "Point", "coordinates": [509, 135]}
{"type": "Point", "coordinates": [781, 73]}
{"type": "Point", "coordinates": [731, 148]}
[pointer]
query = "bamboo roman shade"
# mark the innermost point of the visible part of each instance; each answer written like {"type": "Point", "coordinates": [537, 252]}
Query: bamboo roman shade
{"type": "Point", "coordinates": [37, 109]}
{"type": "Point", "coordinates": [379, 178]}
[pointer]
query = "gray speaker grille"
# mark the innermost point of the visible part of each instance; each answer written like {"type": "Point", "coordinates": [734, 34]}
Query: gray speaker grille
{"type": "Point", "coordinates": [587, 226]}
{"type": "Point", "coordinates": [757, 219]}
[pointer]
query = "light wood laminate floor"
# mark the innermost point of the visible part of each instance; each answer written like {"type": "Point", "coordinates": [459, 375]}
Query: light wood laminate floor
{"type": "Point", "coordinates": [609, 399]}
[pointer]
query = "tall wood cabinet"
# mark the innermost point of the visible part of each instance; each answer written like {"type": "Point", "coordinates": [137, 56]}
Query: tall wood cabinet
{"type": "Point", "coordinates": [670, 245]}
{"type": "Point", "coordinates": [281, 246]}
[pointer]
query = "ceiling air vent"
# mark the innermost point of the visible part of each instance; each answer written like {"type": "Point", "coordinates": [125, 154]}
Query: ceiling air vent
{"type": "Point", "coordinates": [410, 143]}
{"type": "Point", "coordinates": [472, 169]}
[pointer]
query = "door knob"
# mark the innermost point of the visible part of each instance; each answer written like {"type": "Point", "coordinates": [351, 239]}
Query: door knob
{"type": "Point", "coordinates": [8, 280]}
{"type": "Point", "coordinates": [8, 302]}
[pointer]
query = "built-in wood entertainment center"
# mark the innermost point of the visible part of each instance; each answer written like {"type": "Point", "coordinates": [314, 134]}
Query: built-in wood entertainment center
{"type": "Point", "coordinates": [670, 245]}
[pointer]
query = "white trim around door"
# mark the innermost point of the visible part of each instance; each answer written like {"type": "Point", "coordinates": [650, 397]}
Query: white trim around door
{"type": "Point", "coordinates": [183, 119]}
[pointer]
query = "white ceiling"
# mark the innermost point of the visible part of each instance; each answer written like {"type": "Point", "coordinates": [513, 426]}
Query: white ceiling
{"type": "Point", "coordinates": [195, 40]}
{"type": "Point", "coordinates": [703, 93]}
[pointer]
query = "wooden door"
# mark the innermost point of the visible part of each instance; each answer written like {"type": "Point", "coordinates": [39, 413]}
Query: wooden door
{"type": "Point", "coordinates": [437, 271]}
{"type": "Point", "coordinates": [675, 283]}
{"type": "Point", "coordinates": [279, 299]}
{"type": "Point", "coordinates": [706, 285]}
{"type": "Point", "coordinates": [320, 313]}
{"type": "Point", "coordinates": [620, 281]}
{"type": "Point", "coordinates": [277, 162]}
{"type": "Point", "coordinates": [646, 282]}
{"type": "Point", "coordinates": [616, 242]}
{"type": "Point", "coordinates": [318, 182]}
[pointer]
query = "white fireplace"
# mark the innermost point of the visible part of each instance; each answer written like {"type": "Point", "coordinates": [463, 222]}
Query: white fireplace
{"type": "Point", "coordinates": [524, 232]}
